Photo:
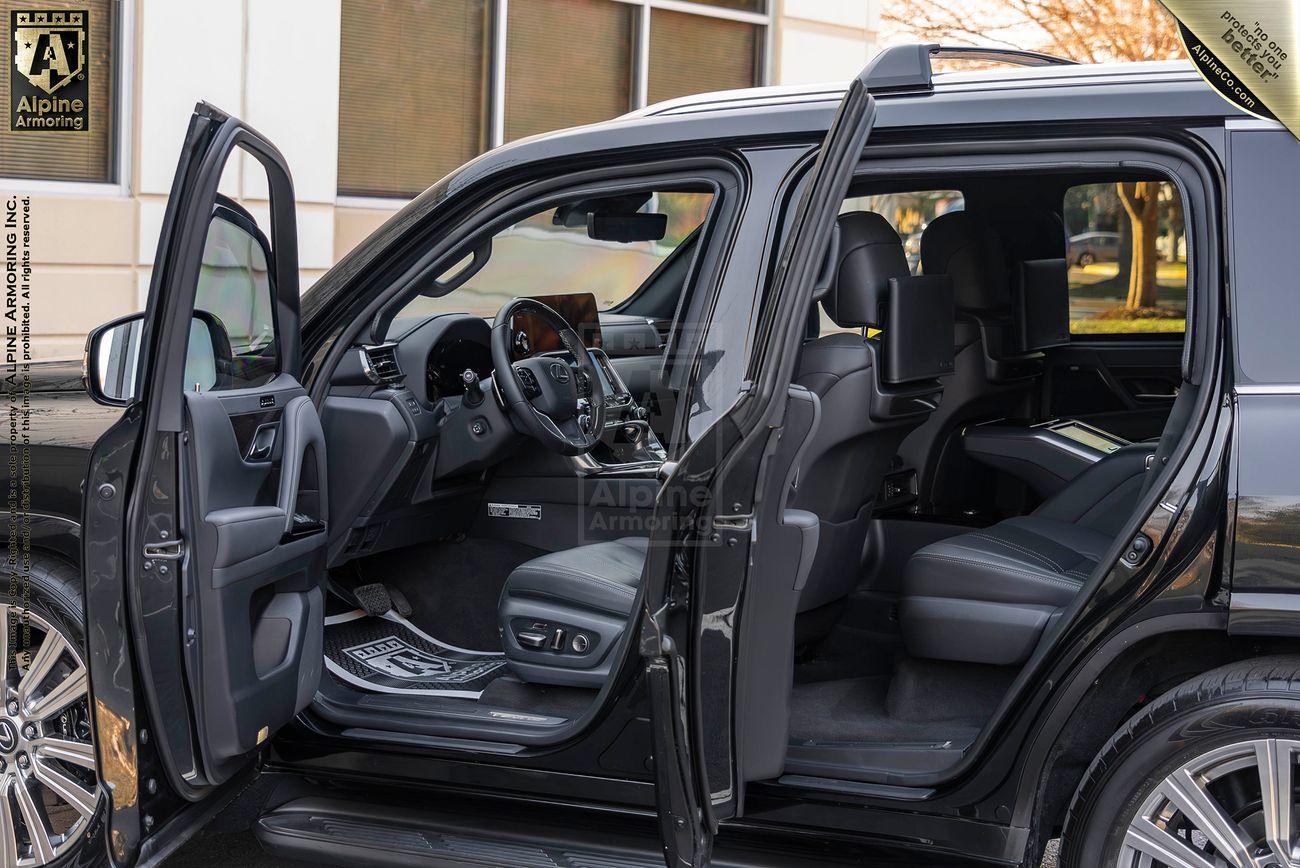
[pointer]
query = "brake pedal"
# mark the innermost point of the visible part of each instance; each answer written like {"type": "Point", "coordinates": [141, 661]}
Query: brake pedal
{"type": "Point", "coordinates": [401, 605]}
{"type": "Point", "coordinates": [373, 598]}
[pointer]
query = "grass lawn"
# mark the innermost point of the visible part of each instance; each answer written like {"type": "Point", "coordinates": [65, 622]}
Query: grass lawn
{"type": "Point", "coordinates": [1127, 326]}
{"type": "Point", "coordinates": [1095, 289]}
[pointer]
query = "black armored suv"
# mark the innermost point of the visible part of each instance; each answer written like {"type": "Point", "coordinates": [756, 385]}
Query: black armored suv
{"type": "Point", "coordinates": [755, 479]}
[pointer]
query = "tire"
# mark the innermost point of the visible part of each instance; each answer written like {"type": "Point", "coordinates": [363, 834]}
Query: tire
{"type": "Point", "coordinates": [1232, 735]}
{"type": "Point", "coordinates": [74, 834]}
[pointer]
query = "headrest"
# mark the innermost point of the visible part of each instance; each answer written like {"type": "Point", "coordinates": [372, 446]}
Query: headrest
{"type": "Point", "coordinates": [967, 250]}
{"type": "Point", "coordinates": [870, 254]}
{"type": "Point", "coordinates": [1041, 295]}
{"type": "Point", "coordinates": [1033, 233]}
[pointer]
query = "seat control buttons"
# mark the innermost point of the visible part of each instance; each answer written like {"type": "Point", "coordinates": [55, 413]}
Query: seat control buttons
{"type": "Point", "coordinates": [580, 643]}
{"type": "Point", "coordinates": [557, 639]}
{"type": "Point", "coordinates": [531, 640]}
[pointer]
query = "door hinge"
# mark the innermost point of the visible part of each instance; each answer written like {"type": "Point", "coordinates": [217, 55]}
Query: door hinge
{"type": "Point", "coordinates": [167, 550]}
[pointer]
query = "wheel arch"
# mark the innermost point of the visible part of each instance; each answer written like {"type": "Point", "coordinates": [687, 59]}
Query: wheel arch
{"type": "Point", "coordinates": [52, 535]}
{"type": "Point", "coordinates": [1136, 667]}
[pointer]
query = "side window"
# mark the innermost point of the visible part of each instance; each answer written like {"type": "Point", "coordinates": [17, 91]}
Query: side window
{"type": "Point", "coordinates": [232, 337]}
{"type": "Point", "coordinates": [560, 251]}
{"type": "Point", "coordinates": [1128, 258]}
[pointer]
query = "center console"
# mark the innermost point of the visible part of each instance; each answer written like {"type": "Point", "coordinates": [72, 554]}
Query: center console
{"type": "Point", "coordinates": [1046, 456]}
{"type": "Point", "coordinates": [628, 443]}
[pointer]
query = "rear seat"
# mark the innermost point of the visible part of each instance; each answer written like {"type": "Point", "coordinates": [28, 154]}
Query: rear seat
{"type": "Point", "coordinates": [987, 596]}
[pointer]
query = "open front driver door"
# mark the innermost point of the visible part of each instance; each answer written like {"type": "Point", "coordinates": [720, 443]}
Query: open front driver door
{"type": "Point", "coordinates": [204, 525]}
{"type": "Point", "coordinates": [680, 640]}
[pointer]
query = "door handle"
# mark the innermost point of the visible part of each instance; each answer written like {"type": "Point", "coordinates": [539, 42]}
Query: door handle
{"type": "Point", "coordinates": [263, 442]}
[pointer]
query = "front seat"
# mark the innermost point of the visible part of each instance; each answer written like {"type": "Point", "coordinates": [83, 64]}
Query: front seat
{"type": "Point", "coordinates": [561, 614]}
{"type": "Point", "coordinates": [992, 376]}
{"type": "Point", "coordinates": [873, 391]}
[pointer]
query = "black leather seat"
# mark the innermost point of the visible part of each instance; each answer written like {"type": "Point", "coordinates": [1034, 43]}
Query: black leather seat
{"type": "Point", "coordinates": [996, 363]}
{"type": "Point", "coordinates": [872, 392]}
{"type": "Point", "coordinates": [988, 595]}
{"type": "Point", "coordinates": [561, 614]}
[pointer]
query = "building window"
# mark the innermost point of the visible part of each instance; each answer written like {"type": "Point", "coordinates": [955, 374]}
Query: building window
{"type": "Point", "coordinates": [546, 88]}
{"type": "Point", "coordinates": [425, 85]}
{"type": "Point", "coordinates": [693, 54]}
{"type": "Point", "coordinates": [412, 92]}
{"type": "Point", "coordinates": [61, 155]}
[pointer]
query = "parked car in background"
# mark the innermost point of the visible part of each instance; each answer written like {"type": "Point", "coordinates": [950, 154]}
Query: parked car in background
{"type": "Point", "coordinates": [1089, 247]}
{"type": "Point", "coordinates": [691, 577]}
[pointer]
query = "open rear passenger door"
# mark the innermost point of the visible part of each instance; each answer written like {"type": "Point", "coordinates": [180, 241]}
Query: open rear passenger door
{"type": "Point", "coordinates": [204, 526]}
{"type": "Point", "coordinates": [688, 658]}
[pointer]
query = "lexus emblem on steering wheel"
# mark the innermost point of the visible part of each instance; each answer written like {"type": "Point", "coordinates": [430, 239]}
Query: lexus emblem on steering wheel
{"type": "Point", "coordinates": [559, 372]}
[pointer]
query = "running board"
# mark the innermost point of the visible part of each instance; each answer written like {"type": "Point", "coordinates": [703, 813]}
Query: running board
{"type": "Point", "coordinates": [324, 832]}
{"type": "Point", "coordinates": [334, 832]}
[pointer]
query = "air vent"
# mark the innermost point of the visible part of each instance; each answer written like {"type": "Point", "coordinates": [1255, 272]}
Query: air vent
{"type": "Point", "coordinates": [380, 365]}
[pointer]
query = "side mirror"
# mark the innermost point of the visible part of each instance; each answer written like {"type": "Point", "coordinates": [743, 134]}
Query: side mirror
{"type": "Point", "coordinates": [112, 356]}
{"type": "Point", "coordinates": [108, 366]}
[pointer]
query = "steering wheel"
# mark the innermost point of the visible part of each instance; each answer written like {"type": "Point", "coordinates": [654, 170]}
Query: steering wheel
{"type": "Point", "coordinates": [562, 408]}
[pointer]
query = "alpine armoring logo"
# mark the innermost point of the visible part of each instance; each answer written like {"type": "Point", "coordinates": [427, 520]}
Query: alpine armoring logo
{"type": "Point", "coordinates": [49, 82]}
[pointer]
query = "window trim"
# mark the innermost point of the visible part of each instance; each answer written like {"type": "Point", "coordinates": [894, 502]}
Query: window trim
{"type": "Point", "coordinates": [122, 145]}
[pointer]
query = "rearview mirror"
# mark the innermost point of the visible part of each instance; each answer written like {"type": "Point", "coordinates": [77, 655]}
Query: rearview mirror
{"type": "Point", "coordinates": [626, 228]}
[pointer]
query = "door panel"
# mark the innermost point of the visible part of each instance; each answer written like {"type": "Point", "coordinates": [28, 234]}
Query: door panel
{"type": "Point", "coordinates": [1125, 387]}
{"type": "Point", "coordinates": [214, 560]}
{"type": "Point", "coordinates": [257, 595]}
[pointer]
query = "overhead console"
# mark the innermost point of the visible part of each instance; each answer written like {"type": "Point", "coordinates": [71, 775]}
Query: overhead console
{"type": "Point", "coordinates": [1045, 456]}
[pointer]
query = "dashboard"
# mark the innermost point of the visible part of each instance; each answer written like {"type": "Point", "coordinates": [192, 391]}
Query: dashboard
{"type": "Point", "coordinates": [409, 444]}
{"type": "Point", "coordinates": [447, 362]}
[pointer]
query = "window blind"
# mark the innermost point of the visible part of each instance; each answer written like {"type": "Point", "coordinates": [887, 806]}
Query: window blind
{"type": "Point", "coordinates": [568, 62]}
{"type": "Point", "coordinates": [412, 92]}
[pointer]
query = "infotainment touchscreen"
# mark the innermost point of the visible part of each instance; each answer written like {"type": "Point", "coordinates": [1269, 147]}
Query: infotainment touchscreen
{"type": "Point", "coordinates": [1088, 436]}
{"type": "Point", "coordinates": [578, 310]}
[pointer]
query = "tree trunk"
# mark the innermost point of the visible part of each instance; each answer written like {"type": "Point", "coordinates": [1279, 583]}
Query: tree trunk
{"type": "Point", "coordinates": [1141, 201]}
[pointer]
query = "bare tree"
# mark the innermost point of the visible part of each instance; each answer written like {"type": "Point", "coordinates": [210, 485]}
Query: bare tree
{"type": "Point", "coordinates": [1096, 31]}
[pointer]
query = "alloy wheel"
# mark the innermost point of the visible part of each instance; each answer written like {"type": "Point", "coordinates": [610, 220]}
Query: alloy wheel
{"type": "Point", "coordinates": [1232, 806]}
{"type": "Point", "coordinates": [48, 788]}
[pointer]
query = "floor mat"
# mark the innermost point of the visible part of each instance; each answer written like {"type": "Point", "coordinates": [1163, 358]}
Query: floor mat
{"type": "Point", "coordinates": [853, 711]}
{"type": "Point", "coordinates": [453, 587]}
{"type": "Point", "coordinates": [389, 654]}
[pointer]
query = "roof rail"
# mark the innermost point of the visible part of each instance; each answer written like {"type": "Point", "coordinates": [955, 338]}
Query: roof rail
{"type": "Point", "coordinates": [908, 67]}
